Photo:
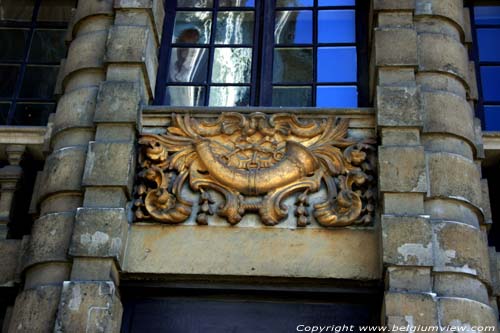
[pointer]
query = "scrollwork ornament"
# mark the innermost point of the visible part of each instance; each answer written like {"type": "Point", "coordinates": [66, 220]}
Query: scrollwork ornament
{"type": "Point", "coordinates": [255, 162]}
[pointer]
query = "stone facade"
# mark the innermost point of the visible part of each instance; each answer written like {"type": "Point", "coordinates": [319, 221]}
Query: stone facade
{"type": "Point", "coordinates": [427, 241]}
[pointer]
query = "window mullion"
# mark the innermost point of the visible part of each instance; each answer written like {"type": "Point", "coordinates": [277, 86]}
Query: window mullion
{"type": "Point", "coordinates": [266, 55]}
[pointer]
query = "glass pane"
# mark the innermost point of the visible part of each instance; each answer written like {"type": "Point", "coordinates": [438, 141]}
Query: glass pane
{"type": "Point", "coordinates": [4, 113]}
{"type": "Point", "coordinates": [487, 14]}
{"type": "Point", "coordinates": [337, 64]}
{"type": "Point", "coordinates": [229, 96]}
{"type": "Point", "coordinates": [32, 114]}
{"type": "Point", "coordinates": [337, 96]}
{"type": "Point", "coordinates": [55, 10]}
{"type": "Point", "coordinates": [488, 42]}
{"type": "Point", "coordinates": [192, 27]}
{"type": "Point", "coordinates": [294, 3]}
{"type": "Point", "coordinates": [185, 96]}
{"type": "Point", "coordinates": [492, 117]}
{"type": "Point", "coordinates": [195, 3]}
{"type": "Point", "coordinates": [236, 3]}
{"type": "Point", "coordinates": [292, 96]}
{"type": "Point", "coordinates": [336, 2]}
{"type": "Point", "coordinates": [39, 82]}
{"type": "Point", "coordinates": [188, 65]}
{"type": "Point", "coordinates": [48, 46]}
{"type": "Point", "coordinates": [16, 10]}
{"type": "Point", "coordinates": [234, 28]}
{"type": "Point", "coordinates": [490, 79]}
{"type": "Point", "coordinates": [293, 27]}
{"type": "Point", "coordinates": [8, 75]}
{"type": "Point", "coordinates": [293, 65]}
{"type": "Point", "coordinates": [336, 26]}
{"type": "Point", "coordinates": [13, 43]}
{"type": "Point", "coordinates": [232, 65]}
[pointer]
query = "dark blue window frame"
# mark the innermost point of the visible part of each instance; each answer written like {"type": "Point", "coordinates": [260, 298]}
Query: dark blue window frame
{"type": "Point", "coordinates": [263, 46]}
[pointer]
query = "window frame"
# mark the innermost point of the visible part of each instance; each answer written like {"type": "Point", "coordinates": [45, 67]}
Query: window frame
{"type": "Point", "coordinates": [481, 102]}
{"type": "Point", "coordinates": [261, 82]}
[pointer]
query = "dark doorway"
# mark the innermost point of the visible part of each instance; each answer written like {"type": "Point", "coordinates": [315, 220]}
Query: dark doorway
{"type": "Point", "coordinates": [211, 311]}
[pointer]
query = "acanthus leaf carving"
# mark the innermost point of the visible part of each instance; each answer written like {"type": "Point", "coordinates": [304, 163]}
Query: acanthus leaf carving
{"type": "Point", "coordinates": [255, 162]}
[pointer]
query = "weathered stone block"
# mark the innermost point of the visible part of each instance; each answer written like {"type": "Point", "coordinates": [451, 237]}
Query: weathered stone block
{"type": "Point", "coordinates": [393, 136]}
{"type": "Point", "coordinates": [396, 76]}
{"type": "Point", "coordinates": [104, 197]}
{"type": "Point", "coordinates": [454, 176]}
{"type": "Point", "coordinates": [402, 169]}
{"type": "Point", "coordinates": [473, 91]}
{"type": "Point", "coordinates": [76, 109]}
{"type": "Point", "coordinates": [486, 204]}
{"type": "Point", "coordinates": [50, 238]}
{"type": "Point", "coordinates": [89, 307]}
{"type": "Point", "coordinates": [395, 19]}
{"type": "Point", "coordinates": [407, 240]}
{"type": "Point", "coordinates": [110, 164]}
{"type": "Point", "coordinates": [452, 210]}
{"type": "Point", "coordinates": [465, 314]}
{"type": "Point", "coordinates": [93, 7]}
{"type": "Point", "coordinates": [99, 232]}
{"type": "Point", "coordinates": [451, 9]}
{"type": "Point", "coordinates": [86, 52]}
{"type": "Point", "coordinates": [444, 143]}
{"type": "Point", "coordinates": [35, 310]}
{"type": "Point", "coordinates": [11, 251]}
{"type": "Point", "coordinates": [461, 248]}
{"type": "Point", "coordinates": [460, 285]}
{"type": "Point", "coordinates": [403, 203]}
{"type": "Point", "coordinates": [439, 52]}
{"type": "Point", "coordinates": [394, 4]}
{"type": "Point", "coordinates": [409, 279]}
{"type": "Point", "coordinates": [448, 113]}
{"type": "Point", "coordinates": [417, 309]}
{"type": "Point", "coordinates": [396, 47]}
{"type": "Point", "coordinates": [118, 102]}
{"type": "Point", "coordinates": [63, 171]}
{"type": "Point", "coordinates": [398, 106]}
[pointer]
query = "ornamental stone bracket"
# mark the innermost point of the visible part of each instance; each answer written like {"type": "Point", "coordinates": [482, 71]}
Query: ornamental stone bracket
{"type": "Point", "coordinates": [303, 169]}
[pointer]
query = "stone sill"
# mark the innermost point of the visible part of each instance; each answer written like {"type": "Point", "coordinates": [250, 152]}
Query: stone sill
{"type": "Point", "coordinates": [157, 116]}
{"type": "Point", "coordinates": [491, 140]}
{"type": "Point", "coordinates": [31, 136]}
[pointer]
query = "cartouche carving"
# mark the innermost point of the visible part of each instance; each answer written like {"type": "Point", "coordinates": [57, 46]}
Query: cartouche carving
{"type": "Point", "coordinates": [256, 161]}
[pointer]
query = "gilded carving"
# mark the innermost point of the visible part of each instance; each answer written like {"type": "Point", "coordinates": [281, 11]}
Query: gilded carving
{"type": "Point", "coordinates": [255, 162]}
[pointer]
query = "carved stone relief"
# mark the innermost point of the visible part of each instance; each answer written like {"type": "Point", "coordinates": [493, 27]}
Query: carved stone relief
{"type": "Point", "coordinates": [255, 162]}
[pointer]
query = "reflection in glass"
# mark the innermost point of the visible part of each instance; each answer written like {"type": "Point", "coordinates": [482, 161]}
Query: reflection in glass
{"type": "Point", "coordinates": [336, 26]}
{"type": "Point", "coordinates": [236, 3]}
{"type": "Point", "coordinates": [48, 46]}
{"type": "Point", "coordinates": [489, 46]}
{"type": "Point", "coordinates": [32, 114]}
{"type": "Point", "coordinates": [229, 96]}
{"type": "Point", "coordinates": [337, 96]}
{"type": "Point", "coordinates": [293, 65]}
{"type": "Point", "coordinates": [234, 28]}
{"type": "Point", "coordinates": [487, 14]}
{"type": "Point", "coordinates": [337, 64]}
{"type": "Point", "coordinates": [55, 10]}
{"type": "Point", "coordinates": [294, 3]}
{"type": "Point", "coordinates": [192, 27]}
{"type": "Point", "coordinates": [292, 96]}
{"type": "Point", "coordinates": [13, 42]}
{"type": "Point", "coordinates": [33, 87]}
{"type": "Point", "coordinates": [185, 95]}
{"type": "Point", "coordinates": [8, 75]}
{"type": "Point", "coordinates": [492, 117]}
{"type": "Point", "coordinates": [490, 79]}
{"type": "Point", "coordinates": [195, 3]}
{"type": "Point", "coordinates": [4, 113]}
{"type": "Point", "coordinates": [188, 64]}
{"type": "Point", "coordinates": [16, 10]}
{"type": "Point", "coordinates": [324, 3]}
{"type": "Point", "coordinates": [232, 65]}
{"type": "Point", "coordinates": [293, 27]}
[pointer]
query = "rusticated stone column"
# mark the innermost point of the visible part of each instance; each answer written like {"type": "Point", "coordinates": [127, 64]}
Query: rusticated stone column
{"type": "Point", "coordinates": [433, 223]}
{"type": "Point", "coordinates": [46, 263]}
{"type": "Point", "coordinates": [101, 223]}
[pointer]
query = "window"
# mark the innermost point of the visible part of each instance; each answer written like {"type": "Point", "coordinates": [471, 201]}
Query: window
{"type": "Point", "coordinates": [486, 27]}
{"type": "Point", "coordinates": [270, 53]}
{"type": "Point", "coordinates": [32, 44]}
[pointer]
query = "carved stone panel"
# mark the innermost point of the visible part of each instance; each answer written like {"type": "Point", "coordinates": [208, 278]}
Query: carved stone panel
{"type": "Point", "coordinates": [237, 164]}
